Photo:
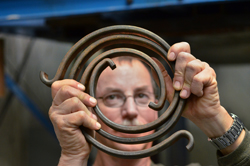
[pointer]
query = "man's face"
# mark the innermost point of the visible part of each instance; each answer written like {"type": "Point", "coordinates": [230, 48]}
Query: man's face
{"type": "Point", "coordinates": [130, 79]}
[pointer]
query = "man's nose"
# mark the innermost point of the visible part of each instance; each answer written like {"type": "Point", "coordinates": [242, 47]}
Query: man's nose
{"type": "Point", "coordinates": [129, 108]}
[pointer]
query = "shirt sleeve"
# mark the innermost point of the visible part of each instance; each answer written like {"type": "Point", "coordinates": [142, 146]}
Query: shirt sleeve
{"type": "Point", "coordinates": [239, 157]}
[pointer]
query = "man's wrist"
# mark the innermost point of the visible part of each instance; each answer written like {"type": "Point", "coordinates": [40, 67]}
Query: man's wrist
{"type": "Point", "coordinates": [216, 125]}
{"type": "Point", "coordinates": [230, 136]}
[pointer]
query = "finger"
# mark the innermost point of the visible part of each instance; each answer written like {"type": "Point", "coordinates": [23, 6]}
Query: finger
{"type": "Point", "coordinates": [73, 121]}
{"type": "Point", "coordinates": [57, 85]}
{"type": "Point", "coordinates": [81, 118]}
{"type": "Point", "coordinates": [180, 68]}
{"type": "Point", "coordinates": [192, 69]}
{"type": "Point", "coordinates": [72, 105]}
{"type": "Point", "coordinates": [205, 78]}
{"type": "Point", "coordinates": [167, 79]}
{"type": "Point", "coordinates": [176, 49]}
{"type": "Point", "coordinates": [67, 92]}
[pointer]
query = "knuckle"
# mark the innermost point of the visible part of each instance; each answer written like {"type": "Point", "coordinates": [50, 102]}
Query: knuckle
{"type": "Point", "coordinates": [55, 85]}
{"type": "Point", "coordinates": [53, 116]}
{"type": "Point", "coordinates": [186, 44]}
{"type": "Point", "coordinates": [196, 79]}
{"type": "Point", "coordinates": [65, 90]}
{"type": "Point", "coordinates": [182, 56]}
{"type": "Point", "coordinates": [87, 121]}
{"type": "Point", "coordinates": [50, 110]}
{"type": "Point", "coordinates": [197, 61]}
{"type": "Point", "coordinates": [191, 66]}
{"type": "Point", "coordinates": [82, 114]}
{"type": "Point", "coordinates": [83, 96]}
{"type": "Point", "coordinates": [194, 66]}
{"type": "Point", "coordinates": [211, 70]}
{"type": "Point", "coordinates": [213, 73]}
{"type": "Point", "coordinates": [196, 83]}
{"type": "Point", "coordinates": [75, 101]}
{"type": "Point", "coordinates": [182, 44]}
{"type": "Point", "coordinates": [60, 123]}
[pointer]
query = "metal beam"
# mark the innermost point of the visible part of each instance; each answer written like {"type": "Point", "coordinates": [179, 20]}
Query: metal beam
{"type": "Point", "coordinates": [14, 11]}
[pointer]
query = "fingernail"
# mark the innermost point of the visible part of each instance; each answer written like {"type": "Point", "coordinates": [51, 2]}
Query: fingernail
{"type": "Point", "coordinates": [81, 87]}
{"type": "Point", "coordinates": [183, 93]}
{"type": "Point", "coordinates": [98, 125]}
{"type": "Point", "coordinates": [92, 100]}
{"type": "Point", "coordinates": [171, 56]}
{"type": "Point", "coordinates": [177, 85]}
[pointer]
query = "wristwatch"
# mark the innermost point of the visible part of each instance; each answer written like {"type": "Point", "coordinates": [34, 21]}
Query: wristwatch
{"type": "Point", "coordinates": [230, 136]}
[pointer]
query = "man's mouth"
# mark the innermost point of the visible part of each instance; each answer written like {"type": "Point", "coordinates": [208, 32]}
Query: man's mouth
{"type": "Point", "coordinates": [133, 122]}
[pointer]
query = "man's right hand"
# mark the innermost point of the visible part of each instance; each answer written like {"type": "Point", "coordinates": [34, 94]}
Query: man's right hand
{"type": "Point", "coordinates": [68, 111]}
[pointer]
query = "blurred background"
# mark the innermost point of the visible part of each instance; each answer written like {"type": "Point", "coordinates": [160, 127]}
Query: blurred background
{"type": "Point", "coordinates": [35, 36]}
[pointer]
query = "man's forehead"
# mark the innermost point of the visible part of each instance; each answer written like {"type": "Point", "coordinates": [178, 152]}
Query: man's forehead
{"type": "Point", "coordinates": [125, 63]}
{"type": "Point", "coordinates": [129, 74]}
{"type": "Point", "coordinates": [125, 60]}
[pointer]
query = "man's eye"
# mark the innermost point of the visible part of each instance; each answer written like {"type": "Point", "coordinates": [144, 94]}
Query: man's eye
{"type": "Point", "coordinates": [111, 97]}
{"type": "Point", "coordinates": [141, 95]}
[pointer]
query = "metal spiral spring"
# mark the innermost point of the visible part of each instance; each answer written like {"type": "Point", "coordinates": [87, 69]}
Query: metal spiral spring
{"type": "Point", "coordinates": [125, 35]}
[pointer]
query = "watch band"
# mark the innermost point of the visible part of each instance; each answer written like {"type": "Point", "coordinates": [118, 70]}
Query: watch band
{"type": "Point", "coordinates": [230, 136]}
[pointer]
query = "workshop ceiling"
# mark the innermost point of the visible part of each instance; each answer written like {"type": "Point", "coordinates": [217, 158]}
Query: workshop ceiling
{"type": "Point", "coordinates": [218, 31]}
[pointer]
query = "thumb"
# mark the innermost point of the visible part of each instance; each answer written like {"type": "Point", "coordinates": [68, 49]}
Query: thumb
{"type": "Point", "coordinates": [167, 79]}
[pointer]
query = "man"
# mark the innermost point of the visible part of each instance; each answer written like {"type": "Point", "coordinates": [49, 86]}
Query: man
{"type": "Point", "coordinates": [123, 94]}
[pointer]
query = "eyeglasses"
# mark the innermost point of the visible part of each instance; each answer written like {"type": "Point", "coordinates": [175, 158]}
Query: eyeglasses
{"type": "Point", "coordinates": [116, 100]}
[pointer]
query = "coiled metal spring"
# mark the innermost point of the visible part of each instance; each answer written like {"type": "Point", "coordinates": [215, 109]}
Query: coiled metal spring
{"type": "Point", "coordinates": [125, 35]}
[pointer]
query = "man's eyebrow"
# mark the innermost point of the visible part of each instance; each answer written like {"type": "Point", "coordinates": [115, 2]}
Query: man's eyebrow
{"type": "Point", "coordinates": [110, 89]}
{"type": "Point", "coordinates": [143, 88]}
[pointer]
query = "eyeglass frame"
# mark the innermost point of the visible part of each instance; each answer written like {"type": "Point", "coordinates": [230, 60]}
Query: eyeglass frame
{"type": "Point", "coordinates": [124, 99]}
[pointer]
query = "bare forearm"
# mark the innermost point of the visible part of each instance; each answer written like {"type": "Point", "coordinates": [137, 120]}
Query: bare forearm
{"type": "Point", "coordinates": [218, 126]}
